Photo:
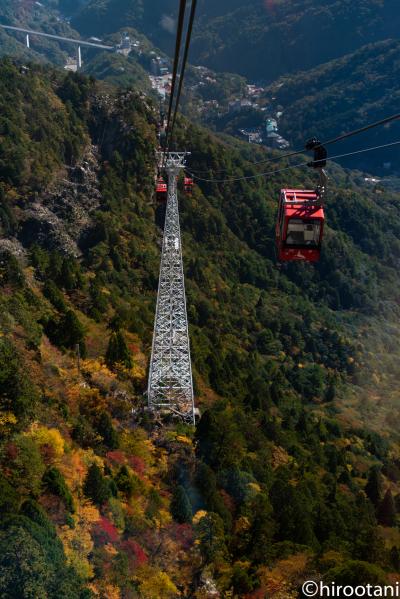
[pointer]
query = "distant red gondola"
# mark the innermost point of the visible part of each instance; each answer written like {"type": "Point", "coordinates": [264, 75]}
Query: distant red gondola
{"type": "Point", "coordinates": [161, 190]}
{"type": "Point", "coordinates": [300, 226]}
{"type": "Point", "coordinates": [188, 185]}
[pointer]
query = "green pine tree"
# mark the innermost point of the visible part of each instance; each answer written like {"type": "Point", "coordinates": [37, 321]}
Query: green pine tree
{"type": "Point", "coordinates": [373, 487]}
{"type": "Point", "coordinates": [181, 508]}
{"type": "Point", "coordinates": [96, 486]}
{"type": "Point", "coordinates": [117, 351]}
{"type": "Point", "coordinates": [107, 431]}
{"type": "Point", "coordinates": [395, 558]}
{"type": "Point", "coordinates": [386, 512]}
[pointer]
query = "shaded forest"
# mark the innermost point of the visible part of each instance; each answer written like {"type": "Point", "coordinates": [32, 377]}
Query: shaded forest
{"type": "Point", "coordinates": [293, 470]}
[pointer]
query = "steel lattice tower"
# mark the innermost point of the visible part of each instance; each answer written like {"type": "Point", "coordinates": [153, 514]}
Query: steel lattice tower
{"type": "Point", "coordinates": [170, 387]}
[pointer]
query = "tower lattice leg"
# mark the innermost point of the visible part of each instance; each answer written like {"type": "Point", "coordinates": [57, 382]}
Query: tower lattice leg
{"type": "Point", "coordinates": [170, 386]}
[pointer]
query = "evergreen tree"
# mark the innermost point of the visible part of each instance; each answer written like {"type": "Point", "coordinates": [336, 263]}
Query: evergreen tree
{"type": "Point", "coordinates": [241, 581]}
{"type": "Point", "coordinates": [74, 331]}
{"type": "Point", "coordinates": [67, 332]}
{"type": "Point", "coordinates": [96, 486]}
{"type": "Point", "coordinates": [54, 295]}
{"type": "Point", "coordinates": [293, 512]}
{"type": "Point", "coordinates": [10, 270]}
{"type": "Point", "coordinates": [8, 497]}
{"type": "Point", "coordinates": [125, 482]}
{"type": "Point", "coordinates": [55, 483]}
{"type": "Point", "coordinates": [352, 572]}
{"type": "Point", "coordinates": [210, 533]}
{"type": "Point", "coordinates": [206, 483]}
{"type": "Point", "coordinates": [107, 431]}
{"type": "Point", "coordinates": [373, 487]}
{"type": "Point", "coordinates": [395, 558]}
{"type": "Point", "coordinates": [259, 536]}
{"type": "Point", "coordinates": [99, 303]}
{"type": "Point", "coordinates": [303, 425]}
{"type": "Point", "coordinates": [17, 394]}
{"type": "Point", "coordinates": [330, 392]}
{"type": "Point", "coordinates": [68, 275]}
{"type": "Point", "coordinates": [24, 571]}
{"type": "Point", "coordinates": [386, 512]}
{"type": "Point", "coordinates": [117, 351]}
{"type": "Point", "coordinates": [181, 509]}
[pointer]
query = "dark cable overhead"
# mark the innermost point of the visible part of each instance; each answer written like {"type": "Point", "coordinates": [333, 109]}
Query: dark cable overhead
{"type": "Point", "coordinates": [381, 122]}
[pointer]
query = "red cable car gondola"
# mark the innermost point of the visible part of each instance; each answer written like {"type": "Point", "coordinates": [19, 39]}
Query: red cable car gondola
{"type": "Point", "coordinates": [300, 225]}
{"type": "Point", "coordinates": [188, 185]}
{"type": "Point", "coordinates": [161, 190]}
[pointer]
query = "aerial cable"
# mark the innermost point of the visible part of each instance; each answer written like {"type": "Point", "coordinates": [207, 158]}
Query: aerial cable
{"type": "Point", "coordinates": [184, 63]}
{"type": "Point", "coordinates": [300, 165]}
{"type": "Point", "coordinates": [384, 121]}
{"type": "Point", "coordinates": [178, 42]}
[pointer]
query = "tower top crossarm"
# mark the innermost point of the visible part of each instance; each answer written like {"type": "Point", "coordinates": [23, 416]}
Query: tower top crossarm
{"type": "Point", "coordinates": [173, 162]}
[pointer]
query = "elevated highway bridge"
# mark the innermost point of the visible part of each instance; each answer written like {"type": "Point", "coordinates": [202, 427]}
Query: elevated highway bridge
{"type": "Point", "coordinates": [70, 40]}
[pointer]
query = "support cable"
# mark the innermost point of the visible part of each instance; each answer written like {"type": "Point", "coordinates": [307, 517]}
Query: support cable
{"type": "Point", "coordinates": [384, 121]}
{"type": "Point", "coordinates": [178, 42]}
{"type": "Point", "coordinates": [184, 63]}
{"type": "Point", "coordinates": [300, 165]}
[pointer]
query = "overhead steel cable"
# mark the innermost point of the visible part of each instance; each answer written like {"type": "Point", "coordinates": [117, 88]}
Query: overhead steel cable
{"type": "Point", "coordinates": [178, 43]}
{"type": "Point", "coordinates": [184, 63]}
{"type": "Point", "coordinates": [385, 121]}
{"type": "Point", "coordinates": [381, 122]}
{"type": "Point", "coordinates": [287, 168]}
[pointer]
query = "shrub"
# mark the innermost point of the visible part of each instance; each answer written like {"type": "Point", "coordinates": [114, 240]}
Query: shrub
{"type": "Point", "coordinates": [48, 438]}
{"type": "Point", "coordinates": [105, 532]}
{"type": "Point", "coordinates": [136, 555]}
{"type": "Point", "coordinates": [126, 483]}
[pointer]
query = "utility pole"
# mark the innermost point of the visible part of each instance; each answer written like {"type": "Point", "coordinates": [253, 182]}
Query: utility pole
{"type": "Point", "coordinates": [170, 385]}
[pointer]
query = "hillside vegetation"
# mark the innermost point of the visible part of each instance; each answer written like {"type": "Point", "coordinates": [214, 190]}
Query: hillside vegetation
{"type": "Point", "coordinates": [259, 39]}
{"type": "Point", "coordinates": [292, 471]}
{"type": "Point", "coordinates": [341, 95]}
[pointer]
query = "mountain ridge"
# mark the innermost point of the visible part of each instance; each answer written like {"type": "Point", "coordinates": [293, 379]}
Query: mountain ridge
{"type": "Point", "coordinates": [290, 36]}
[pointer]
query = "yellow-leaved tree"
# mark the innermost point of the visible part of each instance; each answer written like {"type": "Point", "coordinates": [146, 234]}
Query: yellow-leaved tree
{"type": "Point", "coordinates": [49, 441]}
{"type": "Point", "coordinates": [155, 583]}
{"type": "Point", "coordinates": [78, 542]}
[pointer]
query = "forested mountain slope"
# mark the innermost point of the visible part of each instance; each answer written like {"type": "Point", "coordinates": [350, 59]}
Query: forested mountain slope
{"type": "Point", "coordinates": [260, 39]}
{"type": "Point", "coordinates": [293, 470]}
{"type": "Point", "coordinates": [342, 95]}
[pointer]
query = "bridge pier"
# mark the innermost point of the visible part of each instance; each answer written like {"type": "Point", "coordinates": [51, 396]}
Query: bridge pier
{"type": "Point", "coordinates": [28, 43]}
{"type": "Point", "coordinates": [79, 58]}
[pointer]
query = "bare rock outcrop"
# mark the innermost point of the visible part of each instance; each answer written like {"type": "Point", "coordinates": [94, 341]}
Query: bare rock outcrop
{"type": "Point", "coordinates": [61, 218]}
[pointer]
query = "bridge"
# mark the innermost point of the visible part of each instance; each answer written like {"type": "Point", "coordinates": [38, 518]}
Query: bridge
{"type": "Point", "coordinates": [60, 38]}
